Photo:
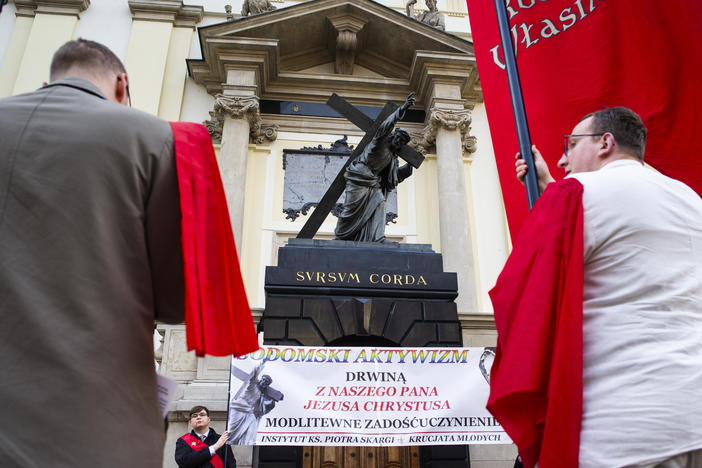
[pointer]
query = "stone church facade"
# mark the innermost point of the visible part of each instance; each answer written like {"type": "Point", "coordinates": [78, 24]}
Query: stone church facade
{"type": "Point", "coordinates": [259, 83]}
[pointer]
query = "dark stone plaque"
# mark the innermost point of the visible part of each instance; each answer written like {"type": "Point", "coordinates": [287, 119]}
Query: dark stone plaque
{"type": "Point", "coordinates": [308, 174]}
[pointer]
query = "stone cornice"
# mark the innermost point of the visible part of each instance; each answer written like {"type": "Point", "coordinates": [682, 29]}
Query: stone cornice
{"type": "Point", "coordinates": [477, 321]}
{"type": "Point", "coordinates": [429, 68]}
{"type": "Point", "coordinates": [189, 16]}
{"type": "Point", "coordinates": [155, 10]}
{"type": "Point", "coordinates": [286, 63]}
{"type": "Point", "coordinates": [51, 7]}
{"type": "Point", "coordinates": [224, 54]}
{"type": "Point", "coordinates": [25, 8]}
{"type": "Point", "coordinates": [168, 11]}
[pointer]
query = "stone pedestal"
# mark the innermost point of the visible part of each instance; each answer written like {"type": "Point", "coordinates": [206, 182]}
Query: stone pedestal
{"type": "Point", "coordinates": [341, 293]}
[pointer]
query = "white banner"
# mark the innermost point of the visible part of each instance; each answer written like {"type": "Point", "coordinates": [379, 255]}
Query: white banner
{"type": "Point", "coordinates": [287, 395]}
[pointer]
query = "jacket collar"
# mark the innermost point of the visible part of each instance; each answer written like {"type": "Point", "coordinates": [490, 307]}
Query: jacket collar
{"type": "Point", "coordinates": [210, 432]}
{"type": "Point", "coordinates": [80, 84]}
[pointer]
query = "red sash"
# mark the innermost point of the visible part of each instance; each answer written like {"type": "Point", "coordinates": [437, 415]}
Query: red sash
{"type": "Point", "coordinates": [536, 385]}
{"type": "Point", "coordinates": [217, 315]}
{"type": "Point", "coordinates": [196, 444]}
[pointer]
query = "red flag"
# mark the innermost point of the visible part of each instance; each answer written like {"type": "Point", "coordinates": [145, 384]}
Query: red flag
{"type": "Point", "coordinates": [536, 379]}
{"type": "Point", "coordinates": [577, 56]}
{"type": "Point", "coordinates": [218, 319]}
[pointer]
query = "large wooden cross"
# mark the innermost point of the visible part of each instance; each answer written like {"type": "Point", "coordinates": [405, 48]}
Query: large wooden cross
{"type": "Point", "coordinates": [270, 392]}
{"type": "Point", "coordinates": [362, 121]}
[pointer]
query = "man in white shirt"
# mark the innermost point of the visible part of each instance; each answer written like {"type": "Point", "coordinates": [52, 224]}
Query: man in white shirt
{"type": "Point", "coordinates": [642, 299]}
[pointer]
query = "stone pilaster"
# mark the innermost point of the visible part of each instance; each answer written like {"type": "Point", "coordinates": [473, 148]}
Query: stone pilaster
{"type": "Point", "coordinates": [53, 22]}
{"type": "Point", "coordinates": [157, 73]}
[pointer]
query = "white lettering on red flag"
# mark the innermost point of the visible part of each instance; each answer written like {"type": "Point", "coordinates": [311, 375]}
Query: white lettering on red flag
{"type": "Point", "coordinates": [578, 56]}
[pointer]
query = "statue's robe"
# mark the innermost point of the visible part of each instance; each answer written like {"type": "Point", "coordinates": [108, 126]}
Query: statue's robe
{"type": "Point", "coordinates": [243, 423]}
{"type": "Point", "coordinates": [369, 180]}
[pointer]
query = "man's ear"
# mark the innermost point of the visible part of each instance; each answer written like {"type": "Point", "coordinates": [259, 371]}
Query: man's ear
{"type": "Point", "coordinates": [121, 89]}
{"type": "Point", "coordinates": [607, 144]}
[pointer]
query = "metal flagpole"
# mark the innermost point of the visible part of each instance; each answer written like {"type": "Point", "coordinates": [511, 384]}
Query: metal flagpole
{"type": "Point", "coordinates": [229, 397]}
{"type": "Point", "coordinates": [515, 91]}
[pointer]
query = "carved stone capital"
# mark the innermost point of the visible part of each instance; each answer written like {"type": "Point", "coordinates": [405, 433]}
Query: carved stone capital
{"type": "Point", "coordinates": [52, 7]}
{"type": "Point", "coordinates": [236, 107]}
{"type": "Point", "coordinates": [452, 120]}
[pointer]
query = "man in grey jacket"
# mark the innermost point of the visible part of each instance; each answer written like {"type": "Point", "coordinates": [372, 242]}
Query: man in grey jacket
{"type": "Point", "coordinates": [89, 257]}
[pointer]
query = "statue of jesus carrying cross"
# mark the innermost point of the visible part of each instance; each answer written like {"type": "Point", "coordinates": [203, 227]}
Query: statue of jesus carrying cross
{"type": "Point", "coordinates": [369, 180]}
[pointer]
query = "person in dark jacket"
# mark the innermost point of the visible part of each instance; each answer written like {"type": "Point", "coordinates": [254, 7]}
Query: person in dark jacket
{"type": "Point", "coordinates": [203, 447]}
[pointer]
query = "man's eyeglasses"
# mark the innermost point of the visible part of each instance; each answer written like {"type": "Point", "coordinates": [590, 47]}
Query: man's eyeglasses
{"type": "Point", "coordinates": [198, 415]}
{"type": "Point", "coordinates": [566, 140]}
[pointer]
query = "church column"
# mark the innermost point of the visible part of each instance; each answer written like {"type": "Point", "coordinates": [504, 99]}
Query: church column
{"type": "Point", "coordinates": [238, 112]}
{"type": "Point", "coordinates": [447, 127]}
{"type": "Point", "coordinates": [237, 121]}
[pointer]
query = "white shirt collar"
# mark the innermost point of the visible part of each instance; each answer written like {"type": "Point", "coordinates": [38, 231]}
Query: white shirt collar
{"type": "Point", "coordinates": [621, 162]}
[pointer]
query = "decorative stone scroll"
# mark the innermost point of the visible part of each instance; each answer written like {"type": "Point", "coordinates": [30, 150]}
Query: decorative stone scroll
{"type": "Point", "coordinates": [237, 107]}
{"type": "Point", "coordinates": [214, 127]}
{"type": "Point", "coordinates": [310, 171]}
{"type": "Point", "coordinates": [347, 27]}
{"type": "Point", "coordinates": [451, 120]}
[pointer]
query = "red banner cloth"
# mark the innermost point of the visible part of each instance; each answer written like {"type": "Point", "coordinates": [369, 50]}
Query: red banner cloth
{"type": "Point", "coordinates": [218, 319]}
{"type": "Point", "coordinates": [198, 445]}
{"type": "Point", "coordinates": [536, 385]}
{"type": "Point", "coordinates": [577, 56]}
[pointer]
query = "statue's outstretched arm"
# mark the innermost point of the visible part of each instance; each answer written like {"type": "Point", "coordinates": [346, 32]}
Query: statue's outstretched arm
{"type": "Point", "coordinates": [388, 124]}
